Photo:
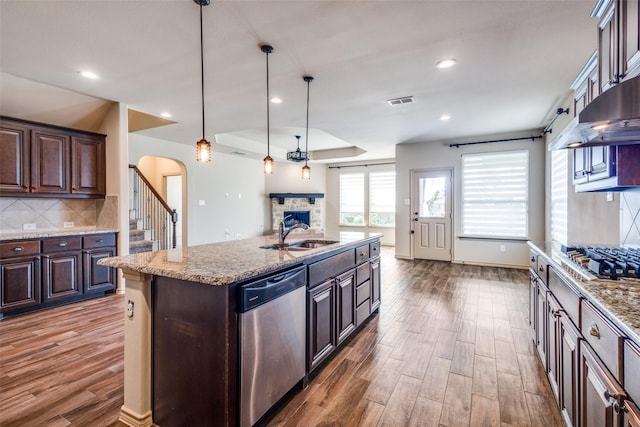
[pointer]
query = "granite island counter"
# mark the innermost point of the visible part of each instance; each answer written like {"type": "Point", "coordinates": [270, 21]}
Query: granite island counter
{"type": "Point", "coordinates": [181, 327]}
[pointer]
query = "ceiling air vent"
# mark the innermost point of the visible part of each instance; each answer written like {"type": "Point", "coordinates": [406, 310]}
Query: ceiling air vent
{"type": "Point", "coordinates": [400, 101]}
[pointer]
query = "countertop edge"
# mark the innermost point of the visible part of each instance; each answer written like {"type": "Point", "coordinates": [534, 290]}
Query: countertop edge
{"type": "Point", "coordinates": [43, 234]}
{"type": "Point", "coordinates": [593, 299]}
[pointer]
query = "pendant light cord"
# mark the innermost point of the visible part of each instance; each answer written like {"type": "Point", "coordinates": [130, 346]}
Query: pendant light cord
{"type": "Point", "coordinates": [306, 141]}
{"type": "Point", "coordinates": [202, 68]}
{"type": "Point", "coordinates": [267, 53]}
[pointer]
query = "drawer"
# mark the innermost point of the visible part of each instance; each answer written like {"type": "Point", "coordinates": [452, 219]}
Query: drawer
{"type": "Point", "coordinates": [362, 312]}
{"type": "Point", "coordinates": [362, 254]}
{"type": "Point", "coordinates": [61, 244]}
{"type": "Point", "coordinates": [19, 248]}
{"type": "Point", "coordinates": [631, 369]}
{"type": "Point", "coordinates": [374, 249]}
{"type": "Point", "coordinates": [362, 293]}
{"type": "Point", "coordinates": [604, 338]}
{"type": "Point", "coordinates": [330, 267]}
{"type": "Point", "coordinates": [566, 295]}
{"type": "Point", "coordinates": [99, 241]}
{"type": "Point", "coordinates": [533, 260]}
{"type": "Point", "coordinates": [363, 272]}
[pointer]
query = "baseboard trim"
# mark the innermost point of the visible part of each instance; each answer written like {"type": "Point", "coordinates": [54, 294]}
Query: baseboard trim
{"type": "Point", "coordinates": [133, 419]}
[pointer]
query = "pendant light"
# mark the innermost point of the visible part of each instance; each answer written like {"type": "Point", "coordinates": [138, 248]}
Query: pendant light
{"type": "Point", "coordinates": [306, 170]}
{"type": "Point", "coordinates": [268, 161]}
{"type": "Point", "coordinates": [298, 155]}
{"type": "Point", "coordinates": [203, 147]}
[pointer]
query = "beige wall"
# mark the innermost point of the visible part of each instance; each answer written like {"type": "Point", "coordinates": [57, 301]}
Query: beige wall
{"type": "Point", "coordinates": [231, 187]}
{"type": "Point", "coordinates": [436, 155]}
{"type": "Point", "coordinates": [333, 200]}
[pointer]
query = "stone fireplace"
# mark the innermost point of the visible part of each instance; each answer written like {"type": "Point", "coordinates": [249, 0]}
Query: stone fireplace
{"type": "Point", "coordinates": [299, 205]}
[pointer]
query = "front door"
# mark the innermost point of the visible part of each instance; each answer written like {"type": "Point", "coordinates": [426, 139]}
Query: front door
{"type": "Point", "coordinates": [431, 212]}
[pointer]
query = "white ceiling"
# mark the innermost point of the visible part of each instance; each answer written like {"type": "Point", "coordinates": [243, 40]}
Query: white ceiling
{"type": "Point", "coordinates": [516, 60]}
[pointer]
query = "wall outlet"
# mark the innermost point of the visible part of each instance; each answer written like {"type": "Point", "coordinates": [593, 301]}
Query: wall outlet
{"type": "Point", "coordinates": [609, 196]}
{"type": "Point", "coordinates": [68, 224]}
{"type": "Point", "coordinates": [503, 248]}
{"type": "Point", "coordinates": [28, 226]}
{"type": "Point", "coordinates": [200, 202]}
{"type": "Point", "coordinates": [238, 236]}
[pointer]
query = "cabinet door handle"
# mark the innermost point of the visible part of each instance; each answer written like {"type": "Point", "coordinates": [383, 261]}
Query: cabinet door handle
{"type": "Point", "coordinates": [610, 396]}
{"type": "Point", "coordinates": [375, 248]}
{"type": "Point", "coordinates": [18, 249]}
{"type": "Point", "coordinates": [63, 244]}
{"type": "Point", "coordinates": [541, 269]}
{"type": "Point", "coordinates": [593, 331]}
{"type": "Point", "coordinates": [361, 253]}
{"type": "Point", "coordinates": [533, 259]}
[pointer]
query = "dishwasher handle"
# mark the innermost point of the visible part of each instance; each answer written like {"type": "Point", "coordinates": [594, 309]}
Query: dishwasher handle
{"type": "Point", "coordinates": [262, 291]}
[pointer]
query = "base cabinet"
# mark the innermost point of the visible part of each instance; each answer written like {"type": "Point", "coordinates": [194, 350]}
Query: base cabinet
{"type": "Point", "coordinates": [375, 283]}
{"type": "Point", "coordinates": [346, 307]}
{"type": "Point", "coordinates": [600, 393]}
{"type": "Point", "coordinates": [321, 327]}
{"type": "Point", "coordinates": [569, 346]}
{"type": "Point", "coordinates": [553, 341]}
{"type": "Point", "coordinates": [19, 283]}
{"type": "Point", "coordinates": [61, 276]}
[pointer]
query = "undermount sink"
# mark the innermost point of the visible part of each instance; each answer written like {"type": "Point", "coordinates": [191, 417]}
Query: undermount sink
{"type": "Point", "coordinates": [302, 245]}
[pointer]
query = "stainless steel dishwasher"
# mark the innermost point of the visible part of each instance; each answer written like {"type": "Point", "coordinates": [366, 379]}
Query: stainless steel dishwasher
{"type": "Point", "coordinates": [272, 341]}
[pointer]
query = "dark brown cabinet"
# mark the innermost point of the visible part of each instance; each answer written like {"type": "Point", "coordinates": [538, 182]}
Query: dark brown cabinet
{"type": "Point", "coordinates": [346, 304]}
{"type": "Point", "coordinates": [630, 13]}
{"type": "Point", "coordinates": [88, 165]}
{"type": "Point", "coordinates": [606, 168]}
{"type": "Point", "coordinates": [631, 415]}
{"type": "Point", "coordinates": [39, 160]}
{"type": "Point", "coordinates": [41, 273]}
{"type": "Point", "coordinates": [600, 395]}
{"type": "Point", "coordinates": [15, 161]}
{"type": "Point", "coordinates": [321, 325]}
{"type": "Point", "coordinates": [568, 351]}
{"type": "Point", "coordinates": [553, 342]}
{"type": "Point", "coordinates": [541, 322]}
{"type": "Point", "coordinates": [375, 284]}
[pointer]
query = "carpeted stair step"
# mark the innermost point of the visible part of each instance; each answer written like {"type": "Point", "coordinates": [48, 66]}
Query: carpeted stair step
{"type": "Point", "coordinates": [139, 246]}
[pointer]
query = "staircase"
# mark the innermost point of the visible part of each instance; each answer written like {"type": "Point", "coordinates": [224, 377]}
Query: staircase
{"type": "Point", "coordinates": [140, 240]}
{"type": "Point", "coordinates": [152, 223]}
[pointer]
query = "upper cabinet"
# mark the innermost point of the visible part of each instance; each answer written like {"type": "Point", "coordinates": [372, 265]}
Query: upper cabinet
{"type": "Point", "coordinates": [38, 160]}
{"type": "Point", "coordinates": [618, 41]}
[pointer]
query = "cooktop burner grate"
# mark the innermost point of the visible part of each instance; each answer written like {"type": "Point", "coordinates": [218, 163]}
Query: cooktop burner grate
{"type": "Point", "coordinates": [606, 262]}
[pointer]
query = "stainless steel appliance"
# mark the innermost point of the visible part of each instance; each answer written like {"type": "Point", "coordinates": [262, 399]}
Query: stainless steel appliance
{"type": "Point", "coordinates": [272, 341]}
{"type": "Point", "coordinates": [609, 263]}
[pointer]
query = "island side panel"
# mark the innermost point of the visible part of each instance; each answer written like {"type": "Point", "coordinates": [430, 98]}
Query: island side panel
{"type": "Point", "coordinates": [195, 353]}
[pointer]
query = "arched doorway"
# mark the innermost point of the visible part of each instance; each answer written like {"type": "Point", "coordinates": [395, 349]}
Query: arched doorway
{"type": "Point", "coordinates": [168, 178]}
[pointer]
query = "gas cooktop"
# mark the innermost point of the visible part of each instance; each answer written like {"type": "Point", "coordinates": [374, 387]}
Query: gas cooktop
{"type": "Point", "coordinates": [610, 263]}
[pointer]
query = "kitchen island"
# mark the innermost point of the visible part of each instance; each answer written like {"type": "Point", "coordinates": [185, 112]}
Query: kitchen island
{"type": "Point", "coordinates": [182, 323]}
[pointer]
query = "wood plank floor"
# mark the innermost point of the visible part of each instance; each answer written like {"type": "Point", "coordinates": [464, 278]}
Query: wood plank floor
{"type": "Point", "coordinates": [450, 347]}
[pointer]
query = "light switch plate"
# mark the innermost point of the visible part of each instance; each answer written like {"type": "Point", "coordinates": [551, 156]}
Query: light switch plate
{"type": "Point", "coordinates": [28, 226]}
{"type": "Point", "coordinates": [200, 202]}
{"type": "Point", "coordinates": [609, 196]}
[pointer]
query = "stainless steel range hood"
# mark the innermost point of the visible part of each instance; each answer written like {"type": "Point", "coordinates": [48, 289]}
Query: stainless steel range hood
{"type": "Point", "coordinates": [611, 118]}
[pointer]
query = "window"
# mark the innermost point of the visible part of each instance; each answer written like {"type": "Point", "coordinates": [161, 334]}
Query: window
{"type": "Point", "coordinates": [352, 199]}
{"type": "Point", "coordinates": [559, 190]}
{"type": "Point", "coordinates": [382, 198]}
{"type": "Point", "coordinates": [495, 194]}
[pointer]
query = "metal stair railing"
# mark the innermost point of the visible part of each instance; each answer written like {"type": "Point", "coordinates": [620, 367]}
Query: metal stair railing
{"type": "Point", "coordinates": [153, 210]}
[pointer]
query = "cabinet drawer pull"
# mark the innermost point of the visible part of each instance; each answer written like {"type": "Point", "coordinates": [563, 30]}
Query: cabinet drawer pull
{"type": "Point", "coordinates": [18, 249]}
{"type": "Point", "coordinates": [63, 244]}
{"type": "Point", "coordinates": [100, 240]}
{"type": "Point", "coordinates": [533, 259]}
{"type": "Point", "coordinates": [361, 253]}
{"type": "Point", "coordinates": [375, 248]}
{"type": "Point", "coordinates": [541, 269]}
{"type": "Point", "coordinates": [593, 331]}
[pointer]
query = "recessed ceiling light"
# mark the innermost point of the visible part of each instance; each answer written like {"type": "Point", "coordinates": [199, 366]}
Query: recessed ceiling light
{"type": "Point", "coordinates": [446, 63]}
{"type": "Point", "coordinates": [89, 75]}
{"type": "Point", "coordinates": [445, 117]}
{"type": "Point", "coordinates": [276, 100]}
{"type": "Point", "coordinates": [165, 115]}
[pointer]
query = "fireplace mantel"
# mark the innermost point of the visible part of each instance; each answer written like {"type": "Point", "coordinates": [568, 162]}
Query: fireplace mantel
{"type": "Point", "coordinates": [311, 196]}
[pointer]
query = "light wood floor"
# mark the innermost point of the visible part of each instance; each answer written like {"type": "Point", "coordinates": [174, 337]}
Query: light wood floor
{"type": "Point", "coordinates": [450, 347]}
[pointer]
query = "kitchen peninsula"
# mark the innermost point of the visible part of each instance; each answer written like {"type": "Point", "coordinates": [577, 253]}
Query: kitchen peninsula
{"type": "Point", "coordinates": [182, 334]}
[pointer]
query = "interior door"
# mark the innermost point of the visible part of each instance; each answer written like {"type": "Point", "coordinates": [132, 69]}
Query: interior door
{"type": "Point", "coordinates": [431, 210]}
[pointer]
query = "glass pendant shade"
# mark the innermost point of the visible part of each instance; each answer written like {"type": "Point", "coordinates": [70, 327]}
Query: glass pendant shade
{"type": "Point", "coordinates": [268, 165]}
{"type": "Point", "coordinates": [203, 151]}
{"type": "Point", "coordinates": [306, 172]}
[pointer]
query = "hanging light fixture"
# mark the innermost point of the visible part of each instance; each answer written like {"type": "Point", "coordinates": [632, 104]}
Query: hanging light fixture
{"type": "Point", "coordinates": [298, 155]}
{"type": "Point", "coordinates": [203, 147]}
{"type": "Point", "coordinates": [306, 170]}
{"type": "Point", "coordinates": [268, 161]}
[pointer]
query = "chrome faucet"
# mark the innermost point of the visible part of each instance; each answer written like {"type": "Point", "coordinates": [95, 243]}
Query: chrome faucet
{"type": "Point", "coordinates": [283, 232]}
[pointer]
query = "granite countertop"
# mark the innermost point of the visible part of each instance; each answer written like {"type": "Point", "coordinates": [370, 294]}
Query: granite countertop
{"type": "Point", "coordinates": [8, 236]}
{"type": "Point", "coordinates": [619, 300]}
{"type": "Point", "coordinates": [227, 262]}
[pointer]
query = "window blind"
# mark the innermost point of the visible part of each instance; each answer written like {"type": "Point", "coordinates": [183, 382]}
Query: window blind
{"type": "Point", "coordinates": [382, 198]}
{"type": "Point", "coordinates": [559, 189]}
{"type": "Point", "coordinates": [352, 199]}
{"type": "Point", "coordinates": [495, 195]}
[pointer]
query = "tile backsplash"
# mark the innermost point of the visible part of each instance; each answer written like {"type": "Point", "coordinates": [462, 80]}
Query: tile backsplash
{"type": "Point", "coordinates": [53, 213]}
{"type": "Point", "coordinates": [630, 217]}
